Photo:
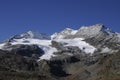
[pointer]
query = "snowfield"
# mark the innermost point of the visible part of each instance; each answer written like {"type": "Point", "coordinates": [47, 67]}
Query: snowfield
{"type": "Point", "coordinates": [62, 34]}
{"type": "Point", "coordinates": [43, 44]}
{"type": "Point", "coordinates": [79, 42]}
{"type": "Point", "coordinates": [46, 45]}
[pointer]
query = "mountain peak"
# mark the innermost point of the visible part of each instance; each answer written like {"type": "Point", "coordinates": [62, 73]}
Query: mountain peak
{"type": "Point", "coordinates": [30, 35]}
{"type": "Point", "coordinates": [34, 35]}
{"type": "Point", "coordinates": [67, 29]}
{"type": "Point", "coordinates": [91, 31]}
{"type": "Point", "coordinates": [97, 27]}
{"type": "Point", "coordinates": [84, 32]}
{"type": "Point", "coordinates": [64, 33]}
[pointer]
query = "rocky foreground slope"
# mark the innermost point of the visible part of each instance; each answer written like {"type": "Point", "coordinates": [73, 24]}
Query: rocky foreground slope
{"type": "Point", "coordinates": [90, 53]}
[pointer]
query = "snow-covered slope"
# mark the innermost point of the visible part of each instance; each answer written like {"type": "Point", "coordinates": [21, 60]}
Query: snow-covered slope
{"type": "Point", "coordinates": [31, 38]}
{"type": "Point", "coordinates": [64, 33]}
{"type": "Point", "coordinates": [44, 41]}
{"type": "Point", "coordinates": [91, 31]}
{"type": "Point", "coordinates": [83, 32]}
{"type": "Point", "coordinates": [79, 42]}
{"type": "Point", "coordinates": [43, 44]}
{"type": "Point", "coordinates": [30, 34]}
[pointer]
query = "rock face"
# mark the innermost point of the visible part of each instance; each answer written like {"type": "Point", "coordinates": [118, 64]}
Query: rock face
{"type": "Point", "coordinates": [91, 31]}
{"type": "Point", "coordinates": [68, 52]}
{"type": "Point", "coordinates": [24, 50]}
{"type": "Point", "coordinates": [28, 51]}
{"type": "Point", "coordinates": [83, 32]}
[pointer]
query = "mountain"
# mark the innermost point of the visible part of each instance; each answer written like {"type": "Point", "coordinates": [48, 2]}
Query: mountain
{"type": "Point", "coordinates": [42, 41]}
{"type": "Point", "coordinates": [91, 31]}
{"type": "Point", "coordinates": [30, 34]}
{"type": "Point", "coordinates": [83, 32]}
{"type": "Point", "coordinates": [89, 53]}
{"type": "Point", "coordinates": [63, 34]}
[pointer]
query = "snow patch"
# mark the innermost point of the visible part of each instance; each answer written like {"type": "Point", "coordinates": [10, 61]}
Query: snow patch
{"type": "Point", "coordinates": [64, 33]}
{"type": "Point", "coordinates": [49, 53]}
{"type": "Point", "coordinates": [74, 32]}
{"type": "Point", "coordinates": [2, 45]}
{"type": "Point", "coordinates": [87, 48]}
{"type": "Point", "coordinates": [43, 44]}
{"type": "Point", "coordinates": [108, 50]}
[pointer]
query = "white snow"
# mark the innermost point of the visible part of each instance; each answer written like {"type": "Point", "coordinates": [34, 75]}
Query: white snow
{"type": "Point", "coordinates": [87, 48]}
{"type": "Point", "coordinates": [56, 36]}
{"type": "Point", "coordinates": [118, 35]}
{"type": "Point", "coordinates": [49, 53]}
{"type": "Point", "coordinates": [43, 44]}
{"type": "Point", "coordinates": [90, 30]}
{"type": "Point", "coordinates": [64, 33]}
{"type": "Point", "coordinates": [69, 31]}
{"type": "Point", "coordinates": [31, 34]}
{"type": "Point", "coordinates": [31, 41]}
{"type": "Point", "coordinates": [74, 32]}
{"type": "Point", "coordinates": [35, 35]}
{"type": "Point", "coordinates": [106, 50]}
{"type": "Point", "coordinates": [2, 45]}
{"type": "Point", "coordinates": [46, 44]}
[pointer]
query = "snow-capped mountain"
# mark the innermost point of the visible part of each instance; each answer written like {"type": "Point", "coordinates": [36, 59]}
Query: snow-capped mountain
{"type": "Point", "coordinates": [78, 42]}
{"type": "Point", "coordinates": [67, 37]}
{"type": "Point", "coordinates": [89, 53]}
{"type": "Point", "coordinates": [30, 35]}
{"type": "Point", "coordinates": [30, 38]}
{"type": "Point", "coordinates": [43, 42]}
{"type": "Point", "coordinates": [45, 45]}
{"type": "Point", "coordinates": [91, 31]}
{"type": "Point", "coordinates": [83, 32]}
{"type": "Point", "coordinates": [64, 33]}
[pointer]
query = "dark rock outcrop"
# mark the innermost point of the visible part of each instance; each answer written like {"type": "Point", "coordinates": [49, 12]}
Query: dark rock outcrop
{"type": "Point", "coordinates": [25, 50]}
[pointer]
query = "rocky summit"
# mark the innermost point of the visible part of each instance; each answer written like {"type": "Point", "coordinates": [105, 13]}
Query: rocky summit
{"type": "Point", "coordinates": [89, 53]}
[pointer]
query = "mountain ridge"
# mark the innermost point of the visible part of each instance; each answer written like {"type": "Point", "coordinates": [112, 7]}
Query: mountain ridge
{"type": "Point", "coordinates": [89, 53]}
{"type": "Point", "coordinates": [70, 35]}
{"type": "Point", "coordinates": [84, 32]}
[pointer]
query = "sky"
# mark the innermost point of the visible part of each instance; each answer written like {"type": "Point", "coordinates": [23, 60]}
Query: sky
{"type": "Point", "coordinates": [49, 16]}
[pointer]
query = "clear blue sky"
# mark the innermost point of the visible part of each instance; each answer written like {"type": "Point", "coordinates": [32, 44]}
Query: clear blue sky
{"type": "Point", "coordinates": [49, 16]}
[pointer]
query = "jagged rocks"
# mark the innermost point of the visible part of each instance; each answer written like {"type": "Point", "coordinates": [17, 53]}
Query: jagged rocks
{"type": "Point", "coordinates": [25, 50]}
{"type": "Point", "coordinates": [14, 62]}
{"type": "Point", "coordinates": [19, 57]}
